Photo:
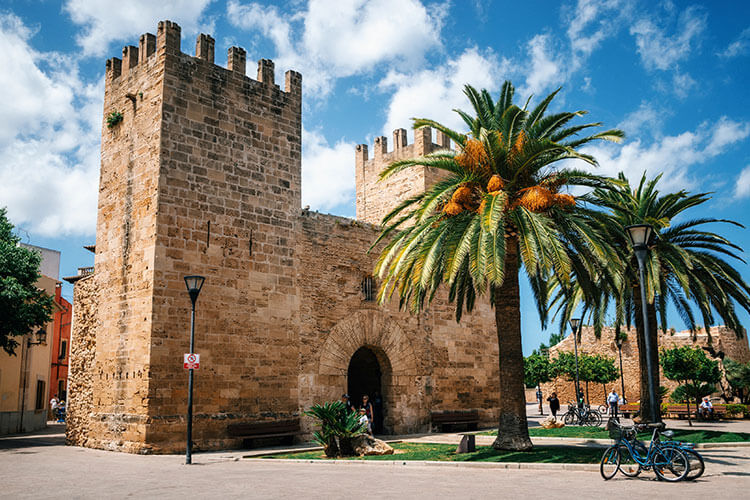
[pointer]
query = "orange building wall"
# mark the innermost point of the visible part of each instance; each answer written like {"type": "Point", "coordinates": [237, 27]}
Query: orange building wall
{"type": "Point", "coordinates": [61, 333]}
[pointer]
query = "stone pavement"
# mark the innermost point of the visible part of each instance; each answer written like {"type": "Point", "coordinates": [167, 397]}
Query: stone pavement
{"type": "Point", "coordinates": [40, 465]}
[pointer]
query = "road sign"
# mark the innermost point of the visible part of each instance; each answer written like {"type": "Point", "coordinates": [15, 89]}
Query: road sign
{"type": "Point", "coordinates": [191, 361]}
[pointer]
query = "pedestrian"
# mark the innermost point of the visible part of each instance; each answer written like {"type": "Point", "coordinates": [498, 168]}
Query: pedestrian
{"type": "Point", "coordinates": [554, 404]}
{"type": "Point", "coordinates": [612, 400]}
{"type": "Point", "coordinates": [369, 411]}
{"type": "Point", "coordinates": [539, 397]}
{"type": "Point", "coordinates": [365, 421]}
{"type": "Point", "coordinates": [345, 399]}
{"type": "Point", "coordinates": [53, 403]}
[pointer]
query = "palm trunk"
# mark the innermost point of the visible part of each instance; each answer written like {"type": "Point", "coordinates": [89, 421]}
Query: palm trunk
{"type": "Point", "coordinates": [645, 408]}
{"type": "Point", "coordinates": [513, 431]}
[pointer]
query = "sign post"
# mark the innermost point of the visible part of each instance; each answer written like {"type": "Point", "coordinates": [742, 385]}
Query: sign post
{"type": "Point", "coordinates": [191, 361]}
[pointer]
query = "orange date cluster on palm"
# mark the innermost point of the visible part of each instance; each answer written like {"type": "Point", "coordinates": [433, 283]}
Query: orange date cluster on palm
{"type": "Point", "coordinates": [541, 199]}
{"type": "Point", "coordinates": [474, 157]}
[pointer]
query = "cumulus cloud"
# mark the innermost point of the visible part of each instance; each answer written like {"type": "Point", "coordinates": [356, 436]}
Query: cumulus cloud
{"type": "Point", "coordinates": [739, 47]}
{"type": "Point", "coordinates": [547, 68]}
{"type": "Point", "coordinates": [332, 39]}
{"type": "Point", "coordinates": [105, 22]}
{"type": "Point", "coordinates": [49, 137]}
{"type": "Point", "coordinates": [327, 171]}
{"type": "Point", "coordinates": [663, 51]}
{"type": "Point", "coordinates": [674, 156]}
{"type": "Point", "coordinates": [647, 119]}
{"type": "Point", "coordinates": [415, 94]}
{"type": "Point", "coordinates": [593, 21]}
{"type": "Point", "coordinates": [742, 188]}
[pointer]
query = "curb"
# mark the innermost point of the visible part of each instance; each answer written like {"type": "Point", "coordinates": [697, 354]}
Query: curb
{"type": "Point", "coordinates": [429, 463]}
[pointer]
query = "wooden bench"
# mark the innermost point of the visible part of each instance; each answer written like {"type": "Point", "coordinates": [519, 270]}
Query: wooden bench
{"type": "Point", "coordinates": [285, 429]}
{"type": "Point", "coordinates": [629, 410]}
{"type": "Point", "coordinates": [448, 419]}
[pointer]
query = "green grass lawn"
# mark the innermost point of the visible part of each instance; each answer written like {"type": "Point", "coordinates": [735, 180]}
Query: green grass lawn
{"type": "Point", "coordinates": [446, 452]}
{"type": "Point", "coordinates": [693, 436]}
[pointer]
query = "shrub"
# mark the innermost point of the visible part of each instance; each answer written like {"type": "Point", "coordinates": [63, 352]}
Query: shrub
{"type": "Point", "coordinates": [113, 118]}
{"type": "Point", "coordinates": [738, 410]}
{"type": "Point", "coordinates": [337, 426]}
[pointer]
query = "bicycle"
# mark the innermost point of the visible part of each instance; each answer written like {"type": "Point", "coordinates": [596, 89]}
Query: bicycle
{"type": "Point", "coordinates": [696, 463]}
{"type": "Point", "coordinates": [668, 462]}
{"type": "Point", "coordinates": [582, 416]}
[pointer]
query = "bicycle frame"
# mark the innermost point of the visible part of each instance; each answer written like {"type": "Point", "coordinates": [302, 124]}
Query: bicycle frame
{"type": "Point", "coordinates": [653, 447]}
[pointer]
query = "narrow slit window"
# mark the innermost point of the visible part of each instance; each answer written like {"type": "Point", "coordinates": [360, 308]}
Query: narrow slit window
{"type": "Point", "coordinates": [368, 289]}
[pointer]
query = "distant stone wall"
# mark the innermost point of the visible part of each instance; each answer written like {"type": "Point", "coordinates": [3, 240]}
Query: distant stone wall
{"type": "Point", "coordinates": [80, 402]}
{"type": "Point", "coordinates": [723, 340]}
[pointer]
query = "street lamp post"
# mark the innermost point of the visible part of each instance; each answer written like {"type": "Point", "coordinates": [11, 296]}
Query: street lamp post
{"type": "Point", "coordinates": [575, 324]}
{"type": "Point", "coordinates": [640, 236]}
{"type": "Point", "coordinates": [194, 285]}
{"type": "Point", "coordinates": [618, 341]}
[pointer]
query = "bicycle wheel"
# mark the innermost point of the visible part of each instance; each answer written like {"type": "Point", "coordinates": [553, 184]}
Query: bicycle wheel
{"type": "Point", "coordinates": [695, 462]}
{"type": "Point", "coordinates": [610, 462]}
{"type": "Point", "coordinates": [594, 419]}
{"type": "Point", "coordinates": [670, 464]}
{"type": "Point", "coordinates": [628, 464]}
{"type": "Point", "coordinates": [602, 409]}
{"type": "Point", "coordinates": [569, 418]}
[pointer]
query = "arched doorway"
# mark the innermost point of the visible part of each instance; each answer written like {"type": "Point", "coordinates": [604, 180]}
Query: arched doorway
{"type": "Point", "coordinates": [364, 377]}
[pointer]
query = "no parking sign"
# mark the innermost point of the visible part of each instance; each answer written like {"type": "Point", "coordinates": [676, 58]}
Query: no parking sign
{"type": "Point", "coordinates": [191, 361]}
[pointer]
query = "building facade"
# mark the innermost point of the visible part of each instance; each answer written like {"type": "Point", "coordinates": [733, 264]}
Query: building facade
{"type": "Point", "coordinates": [200, 174]}
{"type": "Point", "coordinates": [60, 348]}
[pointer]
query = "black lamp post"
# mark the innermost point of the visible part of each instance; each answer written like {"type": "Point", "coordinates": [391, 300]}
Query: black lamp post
{"type": "Point", "coordinates": [640, 237]}
{"type": "Point", "coordinates": [575, 324]}
{"type": "Point", "coordinates": [194, 285]}
{"type": "Point", "coordinates": [618, 342]}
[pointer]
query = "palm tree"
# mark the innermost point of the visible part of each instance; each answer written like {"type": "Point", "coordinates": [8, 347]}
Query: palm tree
{"type": "Point", "coordinates": [500, 206]}
{"type": "Point", "coordinates": [685, 268]}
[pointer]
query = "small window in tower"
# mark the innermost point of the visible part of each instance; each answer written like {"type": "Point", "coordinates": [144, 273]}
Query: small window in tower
{"type": "Point", "coordinates": [63, 349]}
{"type": "Point", "coordinates": [368, 289]}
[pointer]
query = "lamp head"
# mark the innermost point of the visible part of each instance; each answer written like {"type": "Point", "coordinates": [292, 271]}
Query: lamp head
{"type": "Point", "coordinates": [618, 341]}
{"type": "Point", "coordinates": [41, 336]}
{"type": "Point", "coordinates": [574, 322]}
{"type": "Point", "coordinates": [640, 235]}
{"type": "Point", "coordinates": [194, 285]}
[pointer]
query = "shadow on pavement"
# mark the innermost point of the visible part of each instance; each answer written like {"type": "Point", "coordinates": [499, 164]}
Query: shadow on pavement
{"type": "Point", "coordinates": [52, 435]}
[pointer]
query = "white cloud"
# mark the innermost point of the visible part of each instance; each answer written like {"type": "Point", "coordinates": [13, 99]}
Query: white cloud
{"type": "Point", "coordinates": [547, 69]}
{"type": "Point", "coordinates": [49, 137]}
{"type": "Point", "coordinates": [646, 119]}
{"type": "Point", "coordinates": [327, 171]}
{"type": "Point", "coordinates": [334, 39]}
{"type": "Point", "coordinates": [739, 47]}
{"type": "Point", "coordinates": [658, 49]}
{"type": "Point", "coordinates": [673, 156]}
{"type": "Point", "coordinates": [105, 22]}
{"type": "Point", "coordinates": [593, 21]}
{"type": "Point", "coordinates": [742, 188]}
{"type": "Point", "coordinates": [415, 94]}
{"type": "Point", "coordinates": [682, 84]}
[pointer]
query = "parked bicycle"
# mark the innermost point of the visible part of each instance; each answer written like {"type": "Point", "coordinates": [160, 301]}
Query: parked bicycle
{"type": "Point", "coordinates": [631, 456]}
{"type": "Point", "coordinates": [582, 416]}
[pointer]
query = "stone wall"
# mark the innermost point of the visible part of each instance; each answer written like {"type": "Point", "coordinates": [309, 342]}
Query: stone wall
{"type": "Point", "coordinates": [376, 198]}
{"type": "Point", "coordinates": [80, 402]}
{"type": "Point", "coordinates": [429, 361]}
{"type": "Point", "coordinates": [723, 340]}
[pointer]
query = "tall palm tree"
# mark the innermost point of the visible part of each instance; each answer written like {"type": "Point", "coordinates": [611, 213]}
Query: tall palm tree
{"type": "Point", "coordinates": [685, 268]}
{"type": "Point", "coordinates": [500, 207]}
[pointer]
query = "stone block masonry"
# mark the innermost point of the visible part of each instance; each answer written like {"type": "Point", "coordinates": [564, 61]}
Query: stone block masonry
{"type": "Point", "coordinates": [202, 176]}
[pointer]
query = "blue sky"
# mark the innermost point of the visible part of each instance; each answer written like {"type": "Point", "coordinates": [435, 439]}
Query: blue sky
{"type": "Point", "coordinates": [673, 75]}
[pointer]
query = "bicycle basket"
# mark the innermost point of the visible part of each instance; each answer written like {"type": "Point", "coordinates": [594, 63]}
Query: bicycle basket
{"type": "Point", "coordinates": [617, 431]}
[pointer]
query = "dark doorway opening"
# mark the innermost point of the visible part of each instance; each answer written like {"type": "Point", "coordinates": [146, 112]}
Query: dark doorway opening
{"type": "Point", "coordinates": [364, 377]}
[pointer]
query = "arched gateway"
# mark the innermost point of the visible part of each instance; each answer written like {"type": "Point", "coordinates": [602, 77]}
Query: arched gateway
{"type": "Point", "coordinates": [366, 352]}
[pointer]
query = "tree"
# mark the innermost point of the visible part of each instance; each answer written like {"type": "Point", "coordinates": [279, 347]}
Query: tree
{"type": "Point", "coordinates": [603, 371]}
{"type": "Point", "coordinates": [23, 306]}
{"type": "Point", "coordinates": [693, 370]}
{"type": "Point", "coordinates": [499, 207]}
{"type": "Point", "coordinates": [685, 268]}
{"type": "Point", "coordinates": [738, 377]}
{"type": "Point", "coordinates": [536, 370]}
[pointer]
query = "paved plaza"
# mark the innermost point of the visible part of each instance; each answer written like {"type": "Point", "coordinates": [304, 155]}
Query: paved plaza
{"type": "Point", "coordinates": [40, 465]}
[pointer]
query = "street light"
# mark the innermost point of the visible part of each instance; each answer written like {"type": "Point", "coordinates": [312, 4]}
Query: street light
{"type": "Point", "coordinates": [640, 237]}
{"type": "Point", "coordinates": [575, 324]}
{"type": "Point", "coordinates": [194, 285]}
{"type": "Point", "coordinates": [618, 342]}
{"type": "Point", "coordinates": [41, 337]}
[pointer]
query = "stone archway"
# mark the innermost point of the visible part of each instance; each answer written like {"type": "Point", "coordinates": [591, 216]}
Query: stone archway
{"type": "Point", "coordinates": [403, 386]}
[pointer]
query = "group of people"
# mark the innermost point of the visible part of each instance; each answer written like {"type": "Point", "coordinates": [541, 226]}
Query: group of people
{"type": "Point", "coordinates": [366, 410]}
{"type": "Point", "coordinates": [57, 407]}
{"type": "Point", "coordinates": [613, 401]}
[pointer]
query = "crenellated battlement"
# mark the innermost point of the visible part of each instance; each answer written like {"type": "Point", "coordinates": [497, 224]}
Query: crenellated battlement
{"type": "Point", "coordinates": [168, 42]}
{"type": "Point", "coordinates": [422, 145]}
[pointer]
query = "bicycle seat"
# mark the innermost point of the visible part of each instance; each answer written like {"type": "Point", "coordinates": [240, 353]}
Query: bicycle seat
{"type": "Point", "coordinates": [656, 425]}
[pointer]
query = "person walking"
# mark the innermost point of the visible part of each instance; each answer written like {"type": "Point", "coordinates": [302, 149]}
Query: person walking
{"type": "Point", "coordinates": [345, 399]}
{"type": "Point", "coordinates": [53, 404]}
{"type": "Point", "coordinates": [554, 404]}
{"type": "Point", "coordinates": [539, 397]}
{"type": "Point", "coordinates": [369, 412]}
{"type": "Point", "coordinates": [612, 400]}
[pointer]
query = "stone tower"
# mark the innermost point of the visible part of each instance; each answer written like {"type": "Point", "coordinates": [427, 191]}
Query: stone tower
{"type": "Point", "coordinates": [202, 173]}
{"type": "Point", "coordinates": [375, 198]}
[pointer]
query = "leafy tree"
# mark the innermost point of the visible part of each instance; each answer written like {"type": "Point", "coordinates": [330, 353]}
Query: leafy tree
{"type": "Point", "coordinates": [693, 369]}
{"type": "Point", "coordinates": [537, 369]}
{"type": "Point", "coordinates": [23, 306]}
{"type": "Point", "coordinates": [738, 376]}
{"type": "Point", "coordinates": [685, 267]}
{"type": "Point", "coordinates": [603, 370]}
{"type": "Point", "coordinates": [500, 206]}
